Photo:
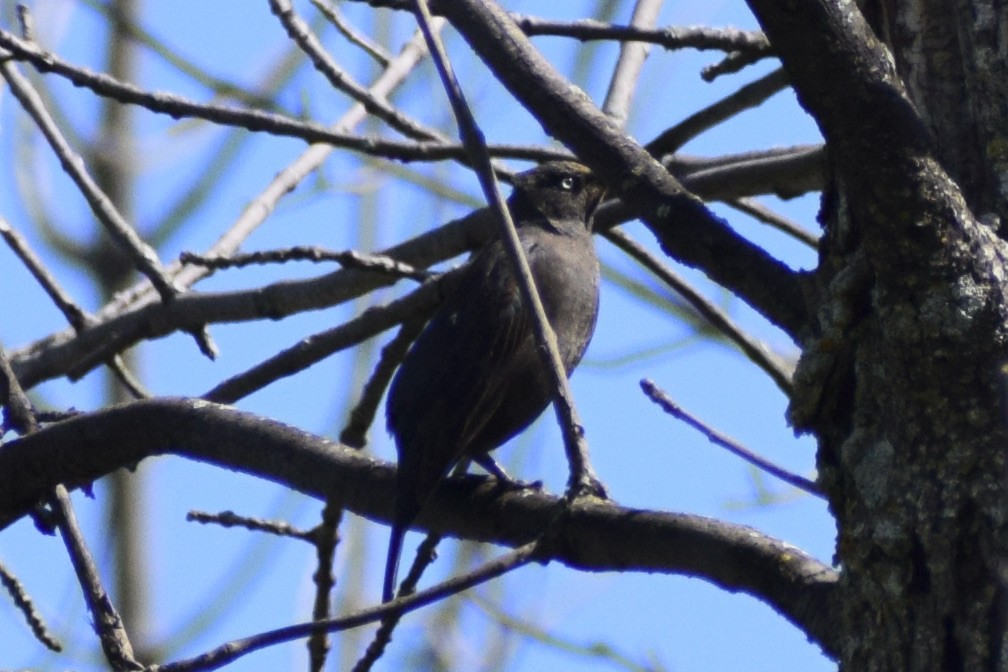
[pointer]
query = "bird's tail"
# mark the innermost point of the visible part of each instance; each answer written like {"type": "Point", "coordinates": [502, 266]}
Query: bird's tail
{"type": "Point", "coordinates": [392, 560]}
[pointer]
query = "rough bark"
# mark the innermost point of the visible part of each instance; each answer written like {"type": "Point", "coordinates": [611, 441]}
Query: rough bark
{"type": "Point", "coordinates": [903, 382]}
{"type": "Point", "coordinates": [952, 57]}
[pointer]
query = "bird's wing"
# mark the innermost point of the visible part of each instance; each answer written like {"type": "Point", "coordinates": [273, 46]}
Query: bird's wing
{"type": "Point", "coordinates": [452, 386]}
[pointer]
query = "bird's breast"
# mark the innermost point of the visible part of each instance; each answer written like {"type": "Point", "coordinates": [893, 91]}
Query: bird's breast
{"type": "Point", "coordinates": [566, 274]}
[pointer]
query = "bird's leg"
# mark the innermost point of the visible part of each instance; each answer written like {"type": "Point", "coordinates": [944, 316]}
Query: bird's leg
{"type": "Point", "coordinates": [497, 471]}
{"type": "Point", "coordinates": [584, 483]}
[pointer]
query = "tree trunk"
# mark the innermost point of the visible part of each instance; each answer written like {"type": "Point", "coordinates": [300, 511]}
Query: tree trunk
{"type": "Point", "coordinates": [903, 379]}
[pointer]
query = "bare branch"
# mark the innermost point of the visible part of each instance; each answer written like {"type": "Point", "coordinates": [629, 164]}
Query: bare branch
{"type": "Point", "coordinates": [686, 229]}
{"type": "Point", "coordinates": [425, 555]}
{"type": "Point", "coordinates": [752, 347]}
{"type": "Point", "coordinates": [300, 32]}
{"type": "Point", "coordinates": [596, 536]}
{"type": "Point", "coordinates": [724, 39]}
{"type": "Point", "coordinates": [764, 214]}
{"type": "Point", "coordinates": [232, 519]}
{"type": "Point", "coordinates": [702, 37]}
{"type": "Point", "coordinates": [785, 172]}
{"type": "Point", "coordinates": [325, 537]}
{"type": "Point", "coordinates": [628, 67]}
{"type": "Point", "coordinates": [749, 96]}
{"type": "Point", "coordinates": [142, 255]}
{"type": "Point", "coordinates": [311, 349]}
{"type": "Point", "coordinates": [257, 120]}
{"type": "Point", "coordinates": [111, 632]}
{"type": "Point", "coordinates": [734, 447]}
{"type": "Point", "coordinates": [733, 62]}
{"type": "Point", "coordinates": [233, 650]}
{"type": "Point", "coordinates": [355, 432]}
{"type": "Point", "coordinates": [372, 49]}
{"type": "Point", "coordinates": [27, 608]}
{"type": "Point", "coordinates": [75, 315]}
{"type": "Point", "coordinates": [347, 258]}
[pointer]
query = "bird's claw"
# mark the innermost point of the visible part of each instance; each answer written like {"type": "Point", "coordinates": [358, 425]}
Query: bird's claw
{"type": "Point", "coordinates": [513, 483]}
{"type": "Point", "coordinates": [587, 486]}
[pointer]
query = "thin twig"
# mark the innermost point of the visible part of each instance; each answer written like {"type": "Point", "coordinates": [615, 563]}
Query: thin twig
{"type": "Point", "coordinates": [75, 315]}
{"type": "Point", "coordinates": [723, 39]}
{"type": "Point", "coordinates": [27, 608]}
{"type": "Point", "coordinates": [111, 632]}
{"type": "Point", "coordinates": [300, 32]}
{"type": "Point", "coordinates": [752, 347]}
{"type": "Point", "coordinates": [140, 253]}
{"type": "Point", "coordinates": [355, 432]}
{"type": "Point", "coordinates": [177, 106]}
{"type": "Point", "coordinates": [20, 416]}
{"type": "Point", "coordinates": [325, 537]}
{"type": "Point", "coordinates": [732, 63]}
{"type": "Point", "coordinates": [659, 397]}
{"type": "Point", "coordinates": [425, 555]}
{"type": "Point", "coordinates": [702, 37]}
{"type": "Point", "coordinates": [316, 347]}
{"type": "Point", "coordinates": [347, 258]}
{"type": "Point", "coordinates": [749, 96]}
{"type": "Point", "coordinates": [372, 49]}
{"type": "Point", "coordinates": [25, 21]}
{"type": "Point", "coordinates": [757, 210]}
{"type": "Point", "coordinates": [126, 377]}
{"type": "Point", "coordinates": [785, 172]}
{"type": "Point", "coordinates": [232, 519]}
{"type": "Point", "coordinates": [631, 59]}
{"type": "Point", "coordinates": [227, 653]}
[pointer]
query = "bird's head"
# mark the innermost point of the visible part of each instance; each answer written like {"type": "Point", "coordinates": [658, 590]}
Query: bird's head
{"type": "Point", "coordinates": [559, 191]}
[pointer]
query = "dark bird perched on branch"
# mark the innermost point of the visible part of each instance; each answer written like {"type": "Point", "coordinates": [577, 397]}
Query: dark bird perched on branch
{"type": "Point", "coordinates": [474, 377]}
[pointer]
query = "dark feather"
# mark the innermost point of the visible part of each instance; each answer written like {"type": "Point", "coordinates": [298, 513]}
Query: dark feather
{"type": "Point", "coordinates": [474, 377]}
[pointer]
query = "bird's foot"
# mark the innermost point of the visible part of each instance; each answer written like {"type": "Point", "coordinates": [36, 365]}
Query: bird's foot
{"type": "Point", "coordinates": [587, 486]}
{"type": "Point", "coordinates": [507, 483]}
{"type": "Point", "coordinates": [504, 481]}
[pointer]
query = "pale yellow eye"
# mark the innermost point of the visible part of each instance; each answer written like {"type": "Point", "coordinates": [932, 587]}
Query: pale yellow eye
{"type": "Point", "coordinates": [567, 183]}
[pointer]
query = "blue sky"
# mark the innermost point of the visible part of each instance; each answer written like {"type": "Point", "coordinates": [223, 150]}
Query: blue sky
{"type": "Point", "coordinates": [647, 460]}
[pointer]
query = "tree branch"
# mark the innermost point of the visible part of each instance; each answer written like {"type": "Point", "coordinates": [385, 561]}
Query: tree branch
{"type": "Point", "coordinates": [71, 353]}
{"type": "Point", "coordinates": [597, 536]}
{"type": "Point", "coordinates": [686, 229]}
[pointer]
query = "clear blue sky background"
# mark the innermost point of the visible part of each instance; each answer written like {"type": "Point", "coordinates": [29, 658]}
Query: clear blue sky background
{"type": "Point", "coordinates": [646, 459]}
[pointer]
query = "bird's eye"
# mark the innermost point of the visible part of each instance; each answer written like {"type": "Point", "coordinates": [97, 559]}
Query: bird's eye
{"type": "Point", "coordinates": [568, 183]}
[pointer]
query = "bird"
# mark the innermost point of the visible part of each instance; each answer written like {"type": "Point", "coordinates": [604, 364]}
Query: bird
{"type": "Point", "coordinates": [474, 377]}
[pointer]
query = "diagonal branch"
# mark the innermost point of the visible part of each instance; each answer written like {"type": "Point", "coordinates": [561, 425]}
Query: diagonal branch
{"type": "Point", "coordinates": [177, 106]}
{"type": "Point", "coordinates": [300, 32]}
{"type": "Point", "coordinates": [623, 84]}
{"type": "Point", "coordinates": [749, 96]}
{"type": "Point", "coordinates": [686, 229]}
{"type": "Point", "coordinates": [108, 624]}
{"type": "Point", "coordinates": [750, 346]}
{"type": "Point", "coordinates": [142, 255]}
